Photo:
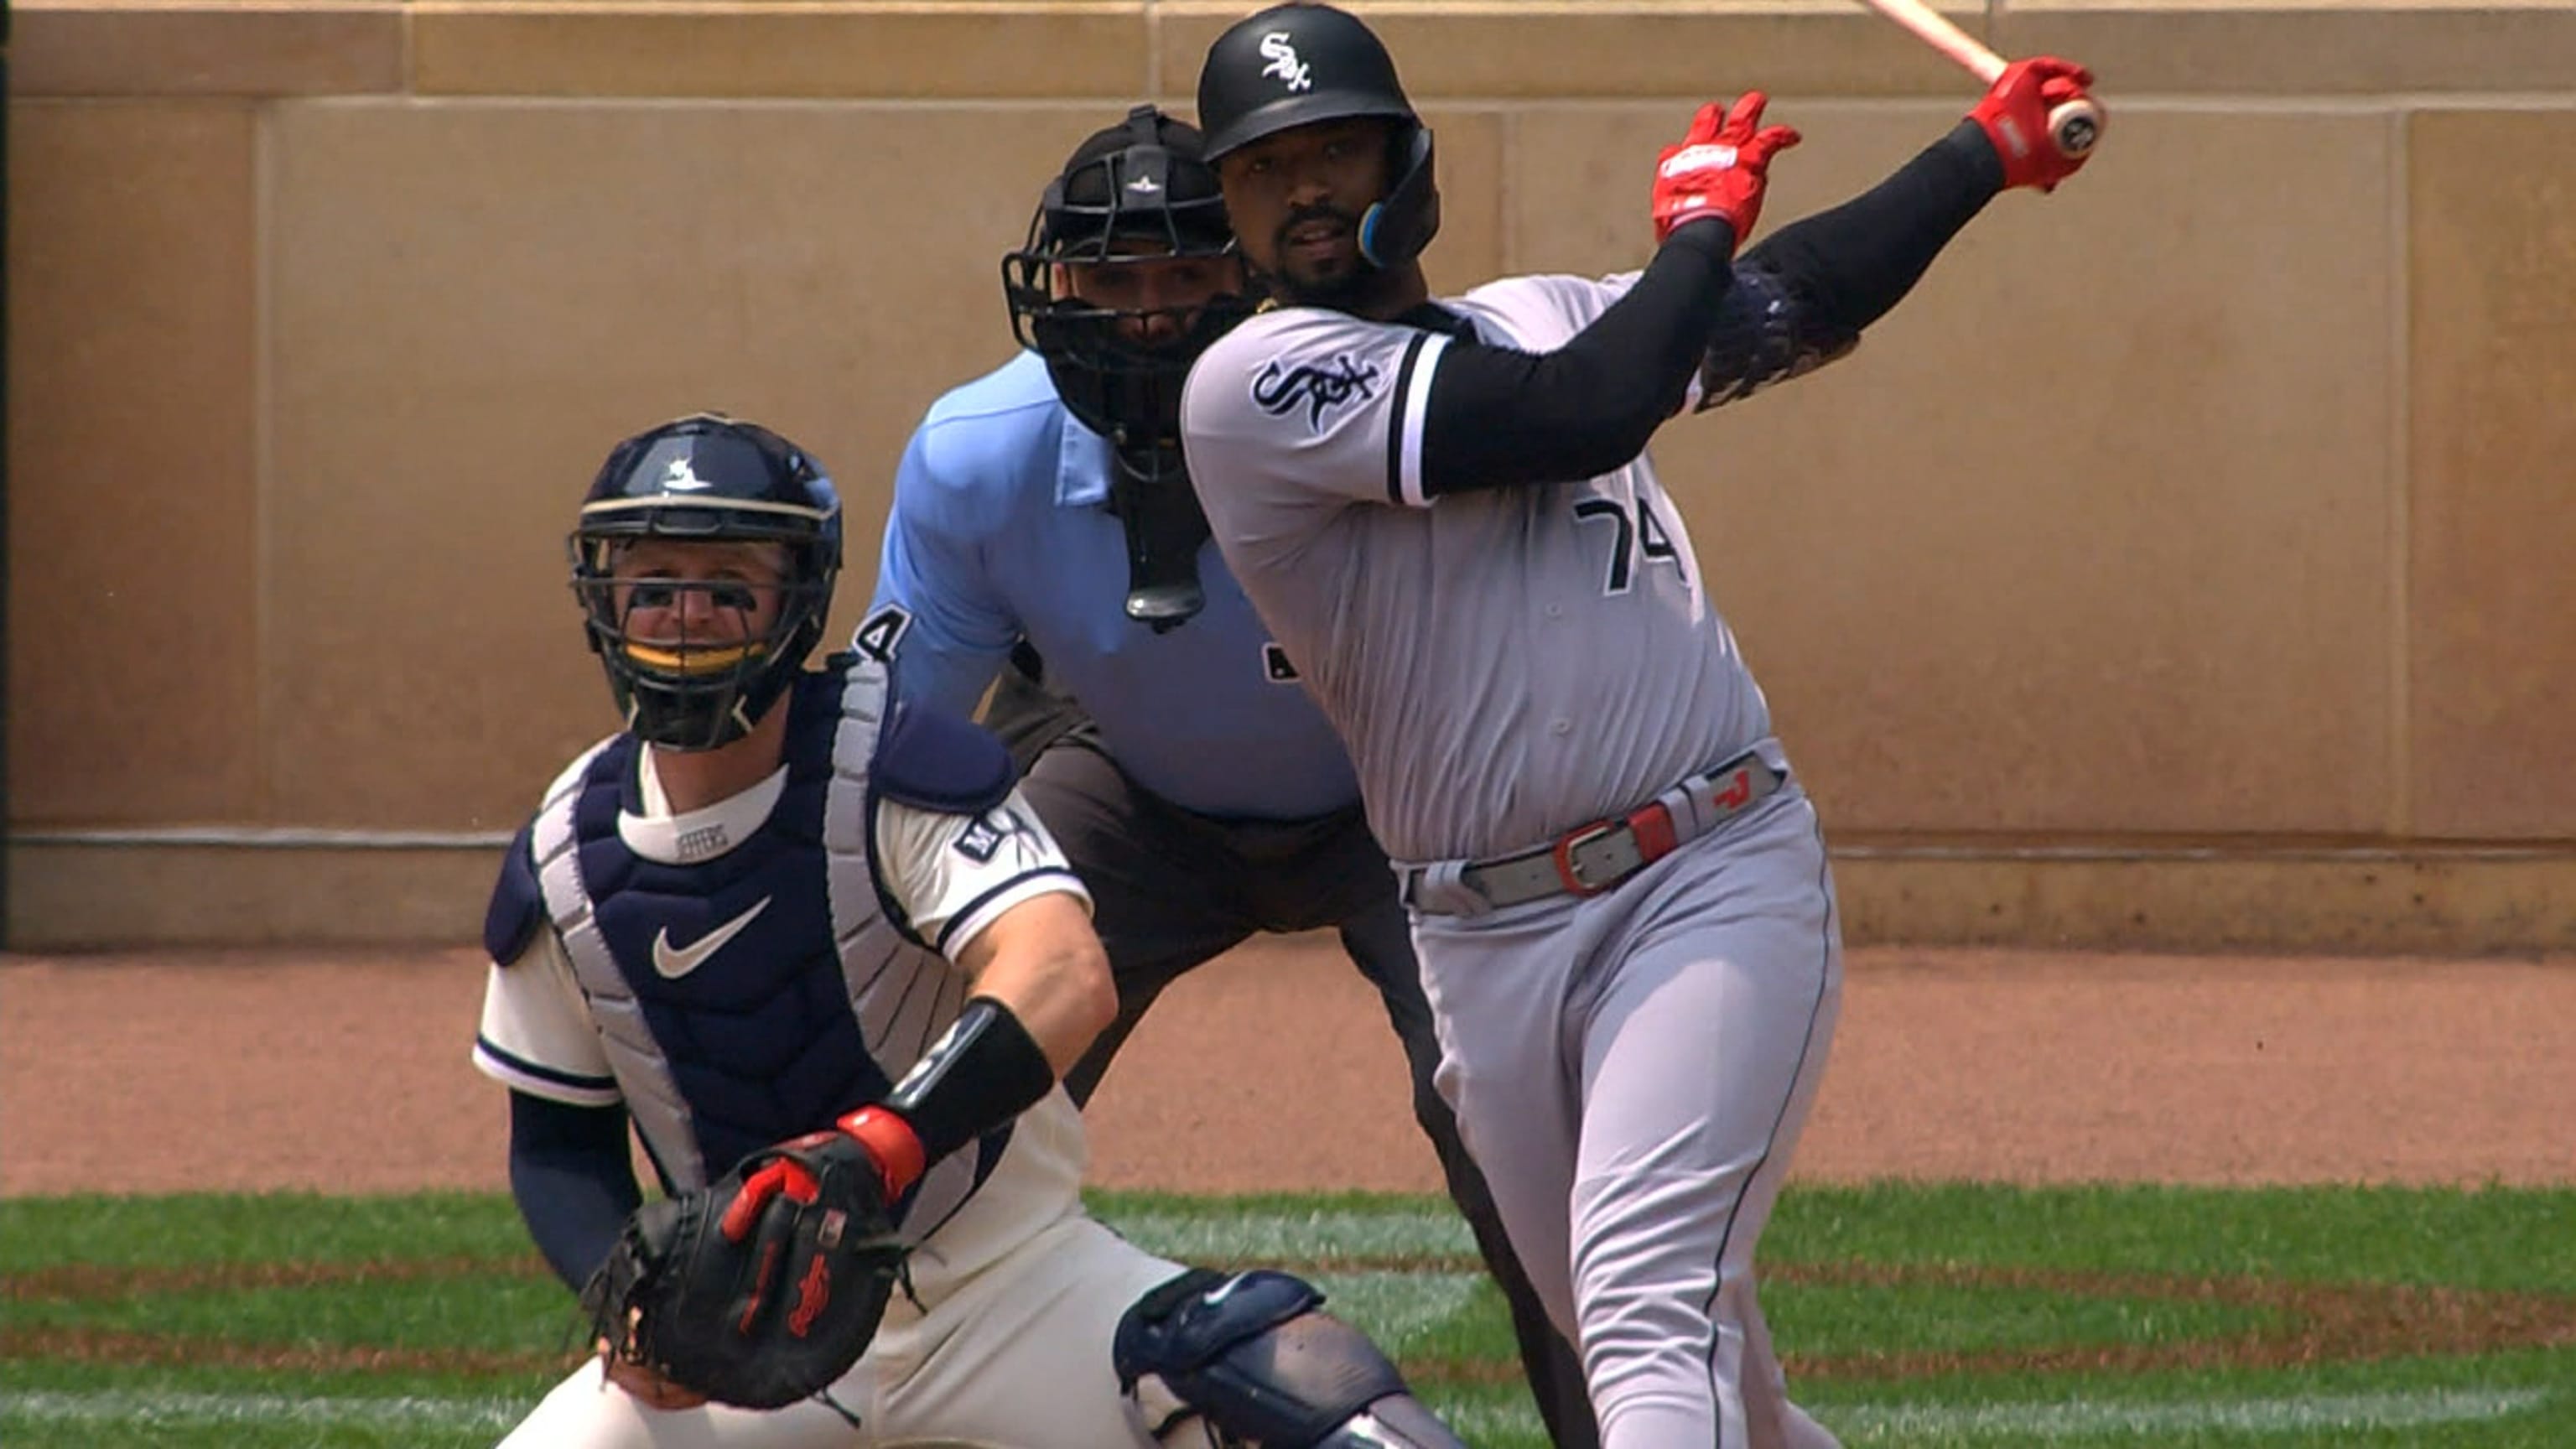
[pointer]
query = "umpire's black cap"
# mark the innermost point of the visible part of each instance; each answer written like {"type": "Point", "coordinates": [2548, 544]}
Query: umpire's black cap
{"type": "Point", "coordinates": [1146, 176]}
{"type": "Point", "coordinates": [1293, 65]}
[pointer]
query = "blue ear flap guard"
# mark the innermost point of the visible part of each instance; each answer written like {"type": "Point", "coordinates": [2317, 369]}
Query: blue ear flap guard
{"type": "Point", "coordinates": [1394, 231]}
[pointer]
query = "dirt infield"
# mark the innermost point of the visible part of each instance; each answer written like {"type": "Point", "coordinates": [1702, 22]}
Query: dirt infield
{"type": "Point", "coordinates": [1271, 1069]}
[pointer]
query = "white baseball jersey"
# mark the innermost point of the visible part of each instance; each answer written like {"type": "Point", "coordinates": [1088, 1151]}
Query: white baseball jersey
{"type": "Point", "coordinates": [1505, 664]}
{"type": "Point", "coordinates": [554, 1029]}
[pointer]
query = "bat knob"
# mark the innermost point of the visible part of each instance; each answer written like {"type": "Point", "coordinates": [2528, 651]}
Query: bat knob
{"type": "Point", "coordinates": [2074, 126]}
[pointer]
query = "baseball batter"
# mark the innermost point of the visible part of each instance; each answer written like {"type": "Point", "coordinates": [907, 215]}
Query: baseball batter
{"type": "Point", "coordinates": [1205, 798]}
{"type": "Point", "coordinates": [1444, 513]}
{"type": "Point", "coordinates": [776, 904]}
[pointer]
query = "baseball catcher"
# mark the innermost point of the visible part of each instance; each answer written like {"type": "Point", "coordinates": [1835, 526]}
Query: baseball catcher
{"type": "Point", "coordinates": [777, 902]}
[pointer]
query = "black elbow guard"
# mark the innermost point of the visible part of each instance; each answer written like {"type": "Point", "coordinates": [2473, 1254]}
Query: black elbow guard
{"type": "Point", "coordinates": [1763, 335]}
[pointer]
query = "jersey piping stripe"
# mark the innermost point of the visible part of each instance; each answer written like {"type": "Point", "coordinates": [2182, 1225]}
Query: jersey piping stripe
{"type": "Point", "coordinates": [1404, 429]}
{"type": "Point", "coordinates": [968, 912]}
{"type": "Point", "coordinates": [520, 1066]}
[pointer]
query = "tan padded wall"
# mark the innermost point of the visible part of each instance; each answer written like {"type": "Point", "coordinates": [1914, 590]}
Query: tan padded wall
{"type": "Point", "coordinates": [475, 300]}
{"type": "Point", "coordinates": [2209, 516]}
{"type": "Point", "coordinates": [134, 661]}
{"type": "Point", "coordinates": [2494, 455]}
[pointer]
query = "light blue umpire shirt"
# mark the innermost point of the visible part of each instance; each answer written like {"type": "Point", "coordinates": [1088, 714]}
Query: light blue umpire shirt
{"type": "Point", "coordinates": [1001, 529]}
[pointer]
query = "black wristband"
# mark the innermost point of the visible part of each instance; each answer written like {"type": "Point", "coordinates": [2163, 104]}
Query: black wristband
{"type": "Point", "coordinates": [983, 1071]}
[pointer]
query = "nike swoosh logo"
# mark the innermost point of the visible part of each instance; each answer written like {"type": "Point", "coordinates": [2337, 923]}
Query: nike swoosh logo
{"type": "Point", "coordinates": [678, 961]}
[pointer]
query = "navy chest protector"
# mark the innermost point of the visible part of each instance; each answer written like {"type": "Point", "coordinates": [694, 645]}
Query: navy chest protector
{"type": "Point", "coordinates": [732, 959]}
{"type": "Point", "coordinates": [739, 992]}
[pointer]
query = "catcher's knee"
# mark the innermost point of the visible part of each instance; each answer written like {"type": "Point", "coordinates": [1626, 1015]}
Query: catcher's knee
{"type": "Point", "coordinates": [1251, 1358]}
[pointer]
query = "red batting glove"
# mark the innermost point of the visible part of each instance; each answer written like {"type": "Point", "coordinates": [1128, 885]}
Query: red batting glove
{"type": "Point", "coordinates": [2015, 117]}
{"type": "Point", "coordinates": [1719, 168]}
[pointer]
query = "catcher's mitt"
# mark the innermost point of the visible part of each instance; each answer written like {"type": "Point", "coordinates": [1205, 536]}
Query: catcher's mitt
{"type": "Point", "coordinates": [761, 1289]}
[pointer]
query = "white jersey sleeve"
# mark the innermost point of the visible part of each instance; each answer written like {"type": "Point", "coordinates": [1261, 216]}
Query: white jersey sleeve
{"type": "Point", "coordinates": [537, 1035]}
{"type": "Point", "coordinates": [1303, 408]}
{"type": "Point", "coordinates": [953, 875]}
{"type": "Point", "coordinates": [1549, 305]}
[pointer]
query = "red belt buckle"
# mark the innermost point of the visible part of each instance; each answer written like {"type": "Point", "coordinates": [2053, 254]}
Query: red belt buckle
{"type": "Point", "coordinates": [1563, 854]}
{"type": "Point", "coordinates": [1651, 824]}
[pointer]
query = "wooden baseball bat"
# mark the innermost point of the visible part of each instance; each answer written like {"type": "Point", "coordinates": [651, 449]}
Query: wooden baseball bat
{"type": "Point", "coordinates": [2073, 126]}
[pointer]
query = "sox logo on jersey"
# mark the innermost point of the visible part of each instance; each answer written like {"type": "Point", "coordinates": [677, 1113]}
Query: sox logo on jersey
{"type": "Point", "coordinates": [1279, 388]}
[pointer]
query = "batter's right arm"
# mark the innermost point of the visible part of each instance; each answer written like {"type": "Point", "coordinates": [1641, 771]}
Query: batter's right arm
{"type": "Point", "coordinates": [1804, 294]}
{"type": "Point", "coordinates": [1496, 417]}
{"type": "Point", "coordinates": [1806, 291]}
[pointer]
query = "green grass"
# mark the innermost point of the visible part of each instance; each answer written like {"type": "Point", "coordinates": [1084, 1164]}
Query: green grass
{"type": "Point", "coordinates": [1953, 1315]}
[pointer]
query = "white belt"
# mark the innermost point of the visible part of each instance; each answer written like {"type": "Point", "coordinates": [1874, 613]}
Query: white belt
{"type": "Point", "coordinates": [1593, 858]}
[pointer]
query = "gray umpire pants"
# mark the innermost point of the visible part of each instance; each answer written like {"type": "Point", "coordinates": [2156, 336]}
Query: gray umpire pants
{"type": "Point", "coordinates": [1172, 890]}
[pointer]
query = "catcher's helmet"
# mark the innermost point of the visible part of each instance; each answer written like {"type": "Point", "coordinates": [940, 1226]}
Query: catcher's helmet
{"type": "Point", "coordinates": [1300, 63]}
{"type": "Point", "coordinates": [707, 479]}
{"type": "Point", "coordinates": [1137, 192]}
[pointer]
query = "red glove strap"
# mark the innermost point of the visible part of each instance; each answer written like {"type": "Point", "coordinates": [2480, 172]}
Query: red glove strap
{"type": "Point", "coordinates": [892, 1142]}
{"type": "Point", "coordinates": [783, 1174]}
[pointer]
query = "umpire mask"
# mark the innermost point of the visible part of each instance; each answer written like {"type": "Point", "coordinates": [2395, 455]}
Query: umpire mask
{"type": "Point", "coordinates": [1128, 274]}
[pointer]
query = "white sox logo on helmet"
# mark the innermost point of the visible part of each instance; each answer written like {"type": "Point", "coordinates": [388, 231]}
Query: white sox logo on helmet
{"type": "Point", "coordinates": [1277, 49]}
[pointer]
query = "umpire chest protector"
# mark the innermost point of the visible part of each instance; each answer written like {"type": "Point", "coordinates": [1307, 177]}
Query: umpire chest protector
{"type": "Point", "coordinates": [761, 986]}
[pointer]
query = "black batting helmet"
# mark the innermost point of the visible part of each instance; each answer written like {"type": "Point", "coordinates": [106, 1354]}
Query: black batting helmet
{"type": "Point", "coordinates": [706, 479]}
{"type": "Point", "coordinates": [1138, 191]}
{"type": "Point", "coordinates": [1300, 63]}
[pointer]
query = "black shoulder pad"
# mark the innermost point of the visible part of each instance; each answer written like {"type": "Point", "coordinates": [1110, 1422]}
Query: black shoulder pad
{"type": "Point", "coordinates": [937, 761]}
{"type": "Point", "coordinates": [518, 902]}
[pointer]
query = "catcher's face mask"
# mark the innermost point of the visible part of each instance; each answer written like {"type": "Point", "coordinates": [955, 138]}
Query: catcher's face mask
{"type": "Point", "coordinates": [704, 561]}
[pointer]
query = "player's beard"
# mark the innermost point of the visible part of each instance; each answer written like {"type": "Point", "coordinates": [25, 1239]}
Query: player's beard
{"type": "Point", "coordinates": [1344, 281]}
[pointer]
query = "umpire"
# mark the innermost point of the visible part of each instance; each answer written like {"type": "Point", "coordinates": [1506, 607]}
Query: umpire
{"type": "Point", "coordinates": [1043, 527]}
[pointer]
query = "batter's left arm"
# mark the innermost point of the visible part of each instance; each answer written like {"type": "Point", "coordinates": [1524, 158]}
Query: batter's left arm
{"type": "Point", "coordinates": [1803, 294]}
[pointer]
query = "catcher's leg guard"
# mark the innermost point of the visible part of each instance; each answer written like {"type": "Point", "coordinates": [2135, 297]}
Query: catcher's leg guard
{"type": "Point", "coordinates": [1251, 1357]}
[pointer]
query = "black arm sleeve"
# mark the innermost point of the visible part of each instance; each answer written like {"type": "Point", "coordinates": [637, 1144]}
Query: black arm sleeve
{"type": "Point", "coordinates": [1849, 265]}
{"type": "Point", "coordinates": [1498, 416]}
{"type": "Point", "coordinates": [1802, 296]}
{"type": "Point", "coordinates": [573, 1181]}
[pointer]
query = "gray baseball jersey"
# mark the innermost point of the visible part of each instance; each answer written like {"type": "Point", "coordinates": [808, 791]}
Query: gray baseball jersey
{"type": "Point", "coordinates": [1631, 1069]}
{"type": "Point", "coordinates": [1555, 642]}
